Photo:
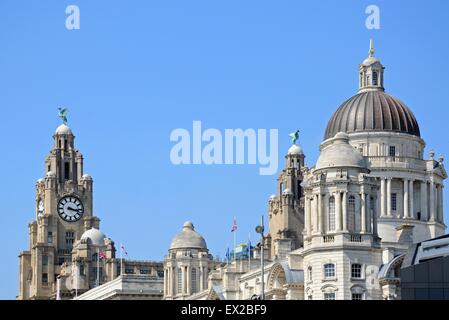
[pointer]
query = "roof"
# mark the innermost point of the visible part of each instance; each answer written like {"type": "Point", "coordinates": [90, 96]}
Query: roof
{"type": "Point", "coordinates": [372, 111]}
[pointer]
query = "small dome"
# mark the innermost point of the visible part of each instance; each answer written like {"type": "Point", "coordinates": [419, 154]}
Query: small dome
{"type": "Point", "coordinates": [50, 174]}
{"type": "Point", "coordinates": [188, 238]}
{"type": "Point", "coordinates": [287, 191]}
{"type": "Point", "coordinates": [369, 61]}
{"type": "Point", "coordinates": [96, 236]}
{"type": "Point", "coordinates": [63, 130]}
{"type": "Point", "coordinates": [340, 154]}
{"type": "Point", "coordinates": [40, 180]}
{"type": "Point", "coordinates": [295, 150]}
{"type": "Point", "coordinates": [86, 177]}
{"type": "Point", "coordinates": [273, 197]}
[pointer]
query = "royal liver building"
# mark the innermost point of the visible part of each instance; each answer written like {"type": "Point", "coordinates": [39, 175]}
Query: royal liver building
{"type": "Point", "coordinates": [340, 229]}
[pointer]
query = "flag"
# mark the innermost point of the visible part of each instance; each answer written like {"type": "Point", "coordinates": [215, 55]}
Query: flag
{"type": "Point", "coordinates": [122, 249]}
{"type": "Point", "coordinates": [228, 255]}
{"type": "Point", "coordinates": [234, 226]}
{"type": "Point", "coordinates": [102, 255]}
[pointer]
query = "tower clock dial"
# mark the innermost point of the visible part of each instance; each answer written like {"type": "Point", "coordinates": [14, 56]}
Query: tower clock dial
{"type": "Point", "coordinates": [70, 208]}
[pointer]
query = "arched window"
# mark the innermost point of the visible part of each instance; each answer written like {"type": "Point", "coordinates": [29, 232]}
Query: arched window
{"type": "Point", "coordinates": [193, 280]}
{"type": "Point", "coordinates": [375, 78]}
{"type": "Point", "coordinates": [329, 270]}
{"type": "Point", "coordinates": [351, 213]}
{"type": "Point", "coordinates": [309, 273]}
{"type": "Point", "coordinates": [179, 280]}
{"type": "Point", "coordinates": [331, 218]}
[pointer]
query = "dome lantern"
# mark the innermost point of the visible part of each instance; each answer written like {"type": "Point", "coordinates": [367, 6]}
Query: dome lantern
{"type": "Point", "coordinates": [371, 72]}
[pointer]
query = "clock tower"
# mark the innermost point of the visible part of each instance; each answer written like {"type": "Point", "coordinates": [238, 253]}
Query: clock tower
{"type": "Point", "coordinates": [63, 214]}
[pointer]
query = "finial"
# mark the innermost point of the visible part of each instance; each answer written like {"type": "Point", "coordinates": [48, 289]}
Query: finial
{"type": "Point", "coordinates": [371, 47]}
{"type": "Point", "coordinates": [440, 159]}
{"type": "Point", "coordinates": [294, 136]}
{"type": "Point", "coordinates": [431, 154]}
{"type": "Point", "coordinates": [63, 112]}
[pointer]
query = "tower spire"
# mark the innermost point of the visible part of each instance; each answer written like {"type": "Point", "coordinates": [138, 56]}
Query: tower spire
{"type": "Point", "coordinates": [371, 48]}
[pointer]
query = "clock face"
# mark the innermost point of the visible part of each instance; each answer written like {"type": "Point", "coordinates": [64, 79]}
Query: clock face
{"type": "Point", "coordinates": [70, 208]}
{"type": "Point", "coordinates": [40, 207]}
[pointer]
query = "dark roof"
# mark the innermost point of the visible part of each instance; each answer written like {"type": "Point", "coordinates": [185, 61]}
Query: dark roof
{"type": "Point", "coordinates": [372, 111]}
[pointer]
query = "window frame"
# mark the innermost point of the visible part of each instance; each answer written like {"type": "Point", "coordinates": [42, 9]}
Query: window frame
{"type": "Point", "coordinates": [329, 273]}
{"type": "Point", "coordinates": [354, 271]}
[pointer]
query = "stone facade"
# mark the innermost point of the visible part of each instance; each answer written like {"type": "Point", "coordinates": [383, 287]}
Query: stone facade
{"type": "Point", "coordinates": [68, 254]}
{"type": "Point", "coordinates": [340, 229]}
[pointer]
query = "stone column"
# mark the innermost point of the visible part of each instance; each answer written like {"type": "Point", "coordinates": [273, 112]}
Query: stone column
{"type": "Point", "coordinates": [337, 196]}
{"type": "Point", "coordinates": [389, 197]}
{"type": "Point", "coordinates": [320, 212]}
{"type": "Point", "coordinates": [375, 217]}
{"type": "Point", "coordinates": [412, 198]}
{"type": "Point", "coordinates": [314, 209]}
{"type": "Point", "coordinates": [424, 216]}
{"type": "Point", "coordinates": [307, 217]}
{"type": "Point", "coordinates": [432, 201]}
{"type": "Point", "coordinates": [442, 204]}
{"type": "Point", "coordinates": [345, 211]}
{"type": "Point", "coordinates": [363, 212]}
{"type": "Point", "coordinates": [369, 213]}
{"type": "Point", "coordinates": [406, 214]}
{"type": "Point", "coordinates": [382, 197]}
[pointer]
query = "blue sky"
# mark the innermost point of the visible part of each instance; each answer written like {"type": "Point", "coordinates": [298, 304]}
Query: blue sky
{"type": "Point", "coordinates": [136, 70]}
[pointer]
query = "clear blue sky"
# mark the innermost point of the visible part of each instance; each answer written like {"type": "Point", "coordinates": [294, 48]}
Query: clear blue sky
{"type": "Point", "coordinates": [138, 69]}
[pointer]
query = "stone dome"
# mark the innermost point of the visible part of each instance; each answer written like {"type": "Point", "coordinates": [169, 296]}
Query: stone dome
{"type": "Point", "coordinates": [295, 150]}
{"type": "Point", "coordinates": [86, 177]}
{"type": "Point", "coordinates": [340, 154]}
{"type": "Point", "coordinates": [188, 238]}
{"type": "Point", "coordinates": [63, 130]}
{"type": "Point", "coordinates": [96, 236]}
{"type": "Point", "coordinates": [372, 111]}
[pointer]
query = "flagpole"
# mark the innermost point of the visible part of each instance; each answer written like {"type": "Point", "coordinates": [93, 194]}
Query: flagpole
{"type": "Point", "coordinates": [98, 267]}
{"type": "Point", "coordinates": [76, 280]}
{"type": "Point", "coordinates": [235, 231]}
{"type": "Point", "coordinates": [121, 259]}
{"type": "Point", "coordinates": [249, 252]}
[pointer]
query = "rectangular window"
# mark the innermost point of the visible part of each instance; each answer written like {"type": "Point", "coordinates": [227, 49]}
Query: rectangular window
{"type": "Point", "coordinates": [329, 270]}
{"type": "Point", "coordinates": [82, 269]}
{"type": "Point", "coordinates": [356, 271]}
{"type": "Point", "coordinates": [392, 151]}
{"type": "Point", "coordinates": [45, 260]}
{"type": "Point", "coordinates": [49, 237]}
{"type": "Point", "coordinates": [394, 202]}
{"type": "Point", "coordinates": [329, 296]}
{"type": "Point", "coordinates": [129, 270]}
{"type": "Point", "coordinates": [45, 278]}
{"type": "Point", "coordinates": [144, 271]}
{"type": "Point", "coordinates": [67, 171]}
{"type": "Point", "coordinates": [357, 296]}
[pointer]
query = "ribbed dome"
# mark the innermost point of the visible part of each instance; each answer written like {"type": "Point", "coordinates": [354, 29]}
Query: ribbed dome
{"type": "Point", "coordinates": [188, 238]}
{"type": "Point", "coordinates": [372, 111]}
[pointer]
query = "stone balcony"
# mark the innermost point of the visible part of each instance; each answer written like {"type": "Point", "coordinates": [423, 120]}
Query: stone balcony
{"type": "Point", "coordinates": [397, 162]}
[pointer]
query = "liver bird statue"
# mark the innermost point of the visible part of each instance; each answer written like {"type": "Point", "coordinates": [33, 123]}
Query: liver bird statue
{"type": "Point", "coordinates": [294, 136]}
{"type": "Point", "coordinates": [63, 112]}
